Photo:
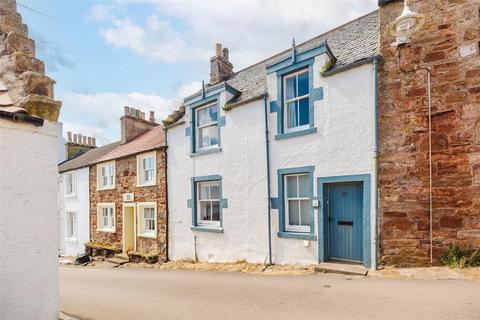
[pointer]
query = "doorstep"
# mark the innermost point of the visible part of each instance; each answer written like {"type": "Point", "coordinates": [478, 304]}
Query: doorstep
{"type": "Point", "coordinates": [118, 259]}
{"type": "Point", "coordinates": [342, 268]}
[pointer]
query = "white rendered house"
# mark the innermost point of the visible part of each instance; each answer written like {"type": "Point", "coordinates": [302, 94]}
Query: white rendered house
{"type": "Point", "coordinates": [74, 200]}
{"type": "Point", "coordinates": [304, 192]}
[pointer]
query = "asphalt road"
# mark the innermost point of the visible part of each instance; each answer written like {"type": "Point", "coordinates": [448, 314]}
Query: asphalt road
{"type": "Point", "coordinates": [117, 294]}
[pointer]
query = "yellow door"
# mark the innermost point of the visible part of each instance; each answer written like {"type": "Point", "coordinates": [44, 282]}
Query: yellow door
{"type": "Point", "coordinates": [128, 229]}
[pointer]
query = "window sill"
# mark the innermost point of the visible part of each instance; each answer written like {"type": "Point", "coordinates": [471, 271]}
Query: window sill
{"type": "Point", "coordinates": [151, 236]}
{"type": "Point", "coordinates": [295, 133]}
{"type": "Point", "coordinates": [205, 151]}
{"type": "Point", "coordinates": [106, 188]}
{"type": "Point", "coordinates": [72, 240]}
{"type": "Point", "coordinates": [153, 184]}
{"type": "Point", "coordinates": [106, 230]}
{"type": "Point", "coordinates": [70, 195]}
{"type": "Point", "coordinates": [297, 235]}
{"type": "Point", "coordinates": [207, 229]}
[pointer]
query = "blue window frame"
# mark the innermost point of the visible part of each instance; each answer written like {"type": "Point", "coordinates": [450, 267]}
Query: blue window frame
{"type": "Point", "coordinates": [295, 203]}
{"type": "Point", "coordinates": [207, 203]}
{"type": "Point", "coordinates": [296, 97]}
{"type": "Point", "coordinates": [294, 107]}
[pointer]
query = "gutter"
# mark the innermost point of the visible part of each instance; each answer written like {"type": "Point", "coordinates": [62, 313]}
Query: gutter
{"type": "Point", "coordinates": [352, 65]}
{"type": "Point", "coordinates": [269, 205]}
{"type": "Point", "coordinates": [20, 117]}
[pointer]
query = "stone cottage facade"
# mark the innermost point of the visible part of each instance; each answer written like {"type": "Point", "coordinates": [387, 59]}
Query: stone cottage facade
{"type": "Point", "coordinates": [447, 47]}
{"type": "Point", "coordinates": [128, 206]}
{"type": "Point", "coordinates": [264, 162]}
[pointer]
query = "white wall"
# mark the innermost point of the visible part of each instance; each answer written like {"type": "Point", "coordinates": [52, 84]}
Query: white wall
{"type": "Point", "coordinates": [28, 221]}
{"type": "Point", "coordinates": [343, 145]}
{"type": "Point", "coordinates": [80, 203]}
{"type": "Point", "coordinates": [242, 165]}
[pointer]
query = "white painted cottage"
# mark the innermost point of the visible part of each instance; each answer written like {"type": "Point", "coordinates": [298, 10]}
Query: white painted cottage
{"type": "Point", "coordinates": [74, 199]}
{"type": "Point", "coordinates": [275, 163]}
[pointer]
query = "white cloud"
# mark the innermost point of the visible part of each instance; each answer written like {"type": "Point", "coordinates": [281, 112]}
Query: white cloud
{"type": "Point", "coordinates": [101, 112]}
{"type": "Point", "coordinates": [253, 29]}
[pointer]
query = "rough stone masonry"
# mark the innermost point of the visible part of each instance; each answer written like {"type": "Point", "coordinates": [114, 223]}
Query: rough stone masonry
{"type": "Point", "coordinates": [448, 45]}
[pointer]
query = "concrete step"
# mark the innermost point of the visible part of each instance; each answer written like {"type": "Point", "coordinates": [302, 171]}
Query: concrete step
{"type": "Point", "coordinates": [122, 256]}
{"type": "Point", "coordinates": [118, 259]}
{"type": "Point", "coordinates": [342, 268]}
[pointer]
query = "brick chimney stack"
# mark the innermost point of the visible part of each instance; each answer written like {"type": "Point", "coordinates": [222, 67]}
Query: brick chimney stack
{"type": "Point", "coordinates": [133, 123]}
{"type": "Point", "coordinates": [78, 144]}
{"type": "Point", "coordinates": [220, 67]}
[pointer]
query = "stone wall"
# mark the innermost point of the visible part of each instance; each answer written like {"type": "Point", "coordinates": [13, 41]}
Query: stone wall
{"type": "Point", "coordinates": [126, 182]}
{"type": "Point", "coordinates": [448, 46]}
{"type": "Point", "coordinates": [20, 71]}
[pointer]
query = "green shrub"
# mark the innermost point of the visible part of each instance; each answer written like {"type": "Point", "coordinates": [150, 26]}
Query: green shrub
{"type": "Point", "coordinates": [457, 257]}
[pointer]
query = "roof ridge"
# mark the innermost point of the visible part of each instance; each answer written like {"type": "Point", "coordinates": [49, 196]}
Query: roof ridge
{"type": "Point", "coordinates": [305, 42]}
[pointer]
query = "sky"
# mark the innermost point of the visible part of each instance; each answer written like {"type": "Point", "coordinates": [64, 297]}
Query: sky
{"type": "Point", "coordinates": [149, 54]}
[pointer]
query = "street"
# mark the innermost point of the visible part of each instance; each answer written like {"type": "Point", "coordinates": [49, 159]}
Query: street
{"type": "Point", "coordinates": [121, 293]}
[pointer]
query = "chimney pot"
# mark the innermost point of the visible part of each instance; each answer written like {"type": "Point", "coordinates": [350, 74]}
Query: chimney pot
{"type": "Point", "coordinates": [69, 136]}
{"type": "Point", "coordinates": [142, 115]}
{"type": "Point", "coordinates": [225, 53]}
{"type": "Point", "coordinates": [89, 141]}
{"type": "Point", "coordinates": [152, 116]}
{"type": "Point", "coordinates": [218, 49]}
{"type": "Point", "coordinates": [94, 143]}
{"type": "Point", "coordinates": [84, 140]}
{"type": "Point", "coordinates": [80, 138]}
{"type": "Point", "coordinates": [75, 136]}
{"type": "Point", "coordinates": [126, 110]}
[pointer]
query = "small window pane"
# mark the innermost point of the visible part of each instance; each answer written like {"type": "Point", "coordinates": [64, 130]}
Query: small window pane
{"type": "Point", "coordinates": [215, 191]}
{"type": "Point", "coordinates": [208, 136]}
{"type": "Point", "coordinates": [293, 212]}
{"type": "Point", "coordinates": [292, 120]}
{"type": "Point", "coordinates": [303, 186]}
{"type": "Point", "coordinates": [291, 186]}
{"type": "Point", "coordinates": [303, 84]}
{"type": "Point", "coordinates": [216, 211]}
{"type": "Point", "coordinates": [213, 113]}
{"type": "Point", "coordinates": [203, 117]}
{"type": "Point", "coordinates": [304, 112]}
{"type": "Point", "coordinates": [290, 90]}
{"type": "Point", "coordinates": [204, 191]}
{"type": "Point", "coordinates": [205, 211]}
{"type": "Point", "coordinates": [305, 212]}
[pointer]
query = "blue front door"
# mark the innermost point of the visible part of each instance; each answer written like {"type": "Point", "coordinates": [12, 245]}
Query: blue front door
{"type": "Point", "coordinates": [345, 206]}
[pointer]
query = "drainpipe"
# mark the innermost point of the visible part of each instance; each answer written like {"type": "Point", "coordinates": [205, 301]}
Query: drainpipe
{"type": "Point", "coordinates": [375, 163]}
{"type": "Point", "coordinates": [167, 242]}
{"type": "Point", "coordinates": [267, 152]}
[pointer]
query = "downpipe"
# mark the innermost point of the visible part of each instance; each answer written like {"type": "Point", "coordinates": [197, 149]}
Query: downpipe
{"type": "Point", "coordinates": [269, 205]}
{"type": "Point", "coordinates": [375, 163]}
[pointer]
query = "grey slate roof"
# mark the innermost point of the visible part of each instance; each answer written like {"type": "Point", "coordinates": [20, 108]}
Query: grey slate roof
{"type": "Point", "coordinates": [87, 158]}
{"type": "Point", "coordinates": [351, 42]}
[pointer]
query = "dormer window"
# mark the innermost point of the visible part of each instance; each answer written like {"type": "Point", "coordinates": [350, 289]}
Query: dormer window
{"type": "Point", "coordinates": [296, 101]}
{"type": "Point", "coordinates": [206, 127]}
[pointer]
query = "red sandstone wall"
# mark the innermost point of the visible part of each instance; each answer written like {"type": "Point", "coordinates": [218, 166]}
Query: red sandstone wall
{"type": "Point", "coordinates": [403, 133]}
{"type": "Point", "coordinates": [126, 182]}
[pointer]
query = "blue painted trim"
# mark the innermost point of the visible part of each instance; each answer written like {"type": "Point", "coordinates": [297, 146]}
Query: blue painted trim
{"type": "Point", "coordinates": [279, 202]}
{"type": "Point", "coordinates": [205, 229]}
{"type": "Point", "coordinates": [220, 123]}
{"type": "Point", "coordinates": [297, 235]}
{"type": "Point", "coordinates": [277, 106]}
{"type": "Point", "coordinates": [205, 151]}
{"type": "Point", "coordinates": [198, 98]}
{"type": "Point", "coordinates": [295, 134]}
{"type": "Point", "coordinates": [192, 202]}
{"type": "Point", "coordinates": [298, 58]}
{"type": "Point", "coordinates": [323, 214]}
